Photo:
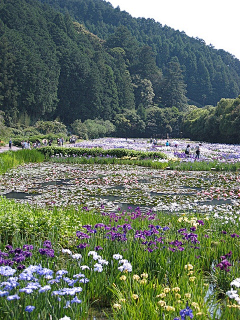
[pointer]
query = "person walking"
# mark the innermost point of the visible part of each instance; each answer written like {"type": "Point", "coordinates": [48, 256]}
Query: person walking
{"type": "Point", "coordinates": [197, 152]}
{"type": "Point", "coordinates": [187, 151]}
{"type": "Point", "coordinates": [10, 144]}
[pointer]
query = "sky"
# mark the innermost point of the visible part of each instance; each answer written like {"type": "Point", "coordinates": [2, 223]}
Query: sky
{"type": "Point", "coordinates": [215, 21]}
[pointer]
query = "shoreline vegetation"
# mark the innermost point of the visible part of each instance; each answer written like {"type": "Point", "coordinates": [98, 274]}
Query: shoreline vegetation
{"type": "Point", "coordinates": [63, 262]}
{"type": "Point", "coordinates": [156, 160]}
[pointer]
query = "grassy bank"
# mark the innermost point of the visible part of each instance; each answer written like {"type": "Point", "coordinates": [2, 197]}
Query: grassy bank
{"type": "Point", "coordinates": [142, 269]}
{"type": "Point", "coordinates": [152, 163]}
{"type": "Point", "coordinates": [12, 159]}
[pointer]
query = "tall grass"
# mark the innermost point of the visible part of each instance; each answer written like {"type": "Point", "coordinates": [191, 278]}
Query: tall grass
{"type": "Point", "coordinates": [12, 159]}
{"type": "Point", "coordinates": [99, 160]}
{"type": "Point", "coordinates": [151, 163]}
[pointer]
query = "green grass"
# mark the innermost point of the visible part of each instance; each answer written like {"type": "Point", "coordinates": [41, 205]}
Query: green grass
{"type": "Point", "coordinates": [139, 295]}
{"type": "Point", "coordinates": [21, 224]}
{"type": "Point", "coordinates": [12, 159]}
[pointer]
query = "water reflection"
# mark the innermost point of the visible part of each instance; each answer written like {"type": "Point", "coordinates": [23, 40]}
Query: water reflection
{"type": "Point", "coordinates": [20, 195]}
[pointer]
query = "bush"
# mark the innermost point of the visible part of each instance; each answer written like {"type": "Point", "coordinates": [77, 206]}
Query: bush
{"type": "Point", "coordinates": [99, 152]}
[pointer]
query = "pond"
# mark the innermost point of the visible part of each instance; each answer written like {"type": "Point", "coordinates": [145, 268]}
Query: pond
{"type": "Point", "coordinates": [115, 187]}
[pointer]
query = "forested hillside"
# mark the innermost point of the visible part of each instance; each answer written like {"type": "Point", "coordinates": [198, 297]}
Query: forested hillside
{"type": "Point", "coordinates": [50, 66]}
{"type": "Point", "coordinates": [209, 74]}
{"type": "Point", "coordinates": [100, 71]}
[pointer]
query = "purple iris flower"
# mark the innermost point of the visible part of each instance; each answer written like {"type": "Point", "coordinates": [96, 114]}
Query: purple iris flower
{"type": "Point", "coordinates": [29, 308]}
{"type": "Point", "coordinates": [82, 235]}
{"type": "Point", "coordinates": [28, 247]}
{"type": "Point", "coordinates": [21, 267]}
{"type": "Point", "coordinates": [187, 312]}
{"type": "Point", "coordinates": [82, 245]}
{"type": "Point", "coordinates": [234, 235]}
{"type": "Point", "coordinates": [47, 244]}
{"type": "Point", "coordinates": [98, 248]}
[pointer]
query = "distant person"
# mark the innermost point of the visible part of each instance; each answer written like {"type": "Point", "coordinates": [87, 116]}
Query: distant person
{"type": "Point", "coordinates": [187, 151]}
{"type": "Point", "coordinates": [38, 143]}
{"type": "Point", "coordinates": [10, 144]}
{"type": "Point", "coordinates": [198, 151]}
{"type": "Point", "coordinates": [167, 144]}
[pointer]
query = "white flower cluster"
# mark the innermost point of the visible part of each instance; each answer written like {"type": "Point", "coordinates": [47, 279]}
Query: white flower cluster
{"type": "Point", "coordinates": [126, 266]}
{"type": "Point", "coordinates": [233, 294]}
{"type": "Point", "coordinates": [76, 256]}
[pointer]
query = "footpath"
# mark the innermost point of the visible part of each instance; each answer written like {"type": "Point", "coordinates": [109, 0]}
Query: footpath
{"type": "Point", "coordinates": [6, 148]}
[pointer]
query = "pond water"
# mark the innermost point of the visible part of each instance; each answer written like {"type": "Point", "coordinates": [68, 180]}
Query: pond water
{"type": "Point", "coordinates": [20, 195]}
{"type": "Point", "coordinates": [115, 186]}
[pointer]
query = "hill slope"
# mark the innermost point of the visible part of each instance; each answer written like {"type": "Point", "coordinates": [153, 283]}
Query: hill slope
{"type": "Point", "coordinates": [210, 74]}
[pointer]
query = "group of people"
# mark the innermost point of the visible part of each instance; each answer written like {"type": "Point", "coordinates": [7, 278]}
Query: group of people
{"type": "Point", "coordinates": [26, 144]}
{"type": "Point", "coordinates": [175, 144]}
{"type": "Point", "coordinates": [188, 150]}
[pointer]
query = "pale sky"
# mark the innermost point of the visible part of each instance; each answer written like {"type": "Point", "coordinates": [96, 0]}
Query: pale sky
{"type": "Point", "coordinates": [217, 22]}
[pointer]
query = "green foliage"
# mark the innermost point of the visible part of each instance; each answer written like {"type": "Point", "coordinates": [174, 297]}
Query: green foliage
{"type": "Point", "coordinates": [12, 159]}
{"type": "Point", "coordinates": [3, 129]}
{"type": "Point", "coordinates": [174, 91]}
{"type": "Point", "coordinates": [163, 121]}
{"type": "Point", "coordinates": [99, 152]}
{"type": "Point", "coordinates": [214, 124]}
{"type": "Point", "coordinates": [53, 127]}
{"type": "Point", "coordinates": [209, 74]}
{"type": "Point", "coordinates": [84, 60]}
{"type": "Point", "coordinates": [129, 124]}
{"type": "Point", "coordinates": [80, 129]}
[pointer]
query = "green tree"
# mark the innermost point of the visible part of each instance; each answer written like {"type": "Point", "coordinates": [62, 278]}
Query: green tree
{"type": "Point", "coordinates": [143, 91]}
{"type": "Point", "coordinates": [173, 91]}
{"type": "Point", "coordinates": [46, 127]}
{"type": "Point", "coordinates": [80, 129]}
{"type": "Point", "coordinates": [129, 124]}
{"type": "Point", "coordinates": [8, 87]}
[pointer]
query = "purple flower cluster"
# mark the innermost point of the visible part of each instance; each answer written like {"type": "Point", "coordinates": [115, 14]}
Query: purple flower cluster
{"type": "Point", "coordinates": [47, 249]}
{"type": "Point", "coordinates": [224, 264]}
{"type": "Point", "coordinates": [192, 237]}
{"type": "Point", "coordinates": [15, 256]}
{"type": "Point", "coordinates": [120, 232]}
{"type": "Point", "coordinates": [234, 235]}
{"type": "Point", "coordinates": [82, 235]}
{"type": "Point", "coordinates": [177, 246]}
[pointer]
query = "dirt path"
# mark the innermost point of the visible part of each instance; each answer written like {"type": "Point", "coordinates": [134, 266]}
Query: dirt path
{"type": "Point", "coordinates": [6, 148]}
